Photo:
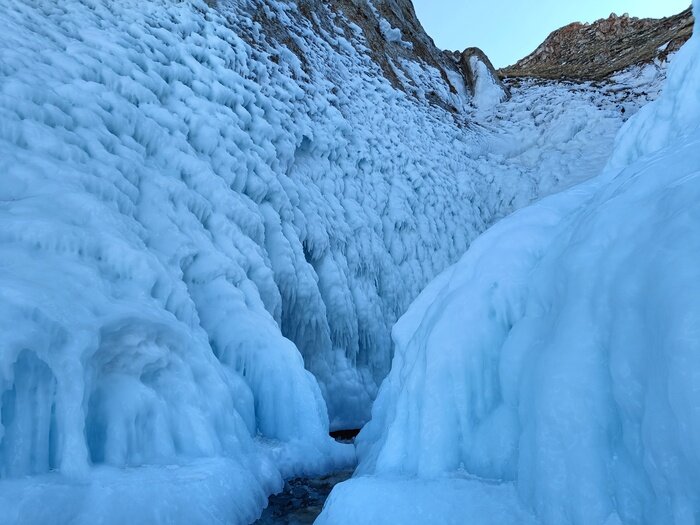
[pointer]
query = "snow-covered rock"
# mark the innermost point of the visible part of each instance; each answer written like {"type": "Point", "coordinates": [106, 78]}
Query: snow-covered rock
{"type": "Point", "coordinates": [558, 359]}
{"type": "Point", "coordinates": [483, 82]}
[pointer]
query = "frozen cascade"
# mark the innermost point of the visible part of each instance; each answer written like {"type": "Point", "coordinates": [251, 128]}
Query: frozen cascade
{"type": "Point", "coordinates": [208, 231]}
{"type": "Point", "coordinates": [551, 375]}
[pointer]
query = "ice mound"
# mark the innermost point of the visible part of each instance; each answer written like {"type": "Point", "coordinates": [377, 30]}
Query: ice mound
{"type": "Point", "coordinates": [487, 91]}
{"type": "Point", "coordinates": [559, 358]}
{"type": "Point", "coordinates": [424, 502]}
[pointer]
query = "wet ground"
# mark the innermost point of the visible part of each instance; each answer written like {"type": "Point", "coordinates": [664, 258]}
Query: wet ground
{"type": "Point", "coordinates": [301, 501]}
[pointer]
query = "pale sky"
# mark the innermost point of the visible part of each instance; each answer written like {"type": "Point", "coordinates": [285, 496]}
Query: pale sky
{"type": "Point", "coordinates": [508, 30]}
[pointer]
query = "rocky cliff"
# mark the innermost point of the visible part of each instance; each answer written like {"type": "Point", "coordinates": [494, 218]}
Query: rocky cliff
{"type": "Point", "coordinates": [595, 51]}
{"type": "Point", "coordinates": [395, 40]}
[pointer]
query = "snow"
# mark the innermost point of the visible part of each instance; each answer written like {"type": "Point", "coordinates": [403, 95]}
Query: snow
{"type": "Point", "coordinates": [670, 118]}
{"type": "Point", "coordinates": [393, 34]}
{"type": "Point", "coordinates": [557, 360]}
{"type": "Point", "coordinates": [559, 134]}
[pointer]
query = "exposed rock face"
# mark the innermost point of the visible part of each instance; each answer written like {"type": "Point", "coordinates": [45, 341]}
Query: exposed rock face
{"type": "Point", "coordinates": [396, 42]}
{"type": "Point", "coordinates": [595, 51]}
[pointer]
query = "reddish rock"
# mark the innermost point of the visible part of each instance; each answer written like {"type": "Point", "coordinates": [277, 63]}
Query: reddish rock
{"type": "Point", "coordinates": [595, 51]}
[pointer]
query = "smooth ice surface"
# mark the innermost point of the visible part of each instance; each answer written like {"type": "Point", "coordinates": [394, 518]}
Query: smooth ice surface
{"type": "Point", "coordinates": [426, 502]}
{"type": "Point", "coordinates": [209, 491]}
{"type": "Point", "coordinates": [559, 358]}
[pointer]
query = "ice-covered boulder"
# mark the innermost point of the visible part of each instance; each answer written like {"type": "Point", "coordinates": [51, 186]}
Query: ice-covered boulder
{"type": "Point", "coordinates": [482, 79]}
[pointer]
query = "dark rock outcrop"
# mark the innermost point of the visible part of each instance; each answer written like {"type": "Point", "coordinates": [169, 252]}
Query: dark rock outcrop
{"type": "Point", "coordinates": [394, 34]}
{"type": "Point", "coordinates": [394, 38]}
{"type": "Point", "coordinates": [595, 51]}
{"type": "Point", "coordinates": [466, 67]}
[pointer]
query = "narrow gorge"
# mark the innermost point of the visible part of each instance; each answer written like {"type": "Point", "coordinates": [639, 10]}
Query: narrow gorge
{"type": "Point", "coordinates": [232, 231]}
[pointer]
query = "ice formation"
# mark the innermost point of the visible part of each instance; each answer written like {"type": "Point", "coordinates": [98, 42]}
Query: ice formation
{"type": "Point", "coordinates": [554, 370]}
{"type": "Point", "coordinates": [487, 93]}
{"type": "Point", "coordinates": [209, 226]}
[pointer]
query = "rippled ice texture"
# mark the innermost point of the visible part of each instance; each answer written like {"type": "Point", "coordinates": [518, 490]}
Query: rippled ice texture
{"type": "Point", "coordinates": [554, 370]}
{"type": "Point", "coordinates": [194, 212]}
